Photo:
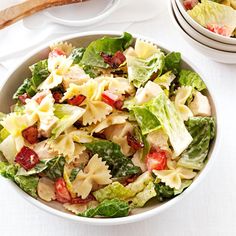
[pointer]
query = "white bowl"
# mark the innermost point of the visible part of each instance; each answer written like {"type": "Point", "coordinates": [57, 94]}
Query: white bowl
{"type": "Point", "coordinates": [21, 71]}
{"type": "Point", "coordinates": [201, 29]}
{"type": "Point", "coordinates": [214, 54]}
{"type": "Point", "coordinates": [199, 37]}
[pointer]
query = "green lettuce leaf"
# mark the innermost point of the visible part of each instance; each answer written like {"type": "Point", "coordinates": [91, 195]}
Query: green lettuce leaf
{"type": "Point", "coordinates": [120, 165]}
{"type": "Point", "coordinates": [67, 115]}
{"type": "Point", "coordinates": [109, 45]}
{"type": "Point", "coordinates": [108, 208]}
{"type": "Point", "coordinates": [141, 70]}
{"type": "Point", "coordinates": [172, 62]}
{"type": "Point", "coordinates": [3, 134]}
{"type": "Point", "coordinates": [8, 170]}
{"type": "Point", "coordinates": [35, 170]}
{"type": "Point", "coordinates": [191, 78]}
{"type": "Point", "coordinates": [28, 184]}
{"type": "Point", "coordinates": [165, 80]}
{"type": "Point", "coordinates": [202, 129]}
{"type": "Point", "coordinates": [163, 192]}
{"type": "Point", "coordinates": [146, 120]}
{"type": "Point", "coordinates": [76, 55]}
{"type": "Point", "coordinates": [185, 184]}
{"type": "Point", "coordinates": [39, 74]}
{"type": "Point", "coordinates": [171, 122]}
{"type": "Point", "coordinates": [209, 12]}
{"type": "Point", "coordinates": [55, 167]}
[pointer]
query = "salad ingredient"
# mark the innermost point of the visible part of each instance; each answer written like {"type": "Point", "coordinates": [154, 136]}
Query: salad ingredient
{"type": "Point", "coordinates": [8, 170]}
{"type": "Point", "coordinates": [108, 208]}
{"type": "Point", "coordinates": [114, 61]}
{"type": "Point", "coordinates": [77, 55]}
{"type": "Point", "coordinates": [202, 129]}
{"type": "Point", "coordinates": [163, 192]}
{"type": "Point", "coordinates": [31, 134]}
{"type": "Point", "coordinates": [190, 4]}
{"type": "Point", "coordinates": [134, 142]}
{"type": "Point", "coordinates": [172, 62]}
{"type": "Point", "coordinates": [156, 160]}
{"type": "Point", "coordinates": [165, 80]}
{"type": "Point", "coordinates": [27, 158]}
{"type": "Point", "coordinates": [76, 100]}
{"type": "Point", "coordinates": [109, 98]}
{"type": "Point", "coordinates": [56, 52]}
{"type": "Point", "coordinates": [62, 193]}
{"type": "Point", "coordinates": [46, 189]}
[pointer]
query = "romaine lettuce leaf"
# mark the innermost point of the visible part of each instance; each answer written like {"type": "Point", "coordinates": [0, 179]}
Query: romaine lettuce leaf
{"type": "Point", "coordinates": [108, 208]}
{"type": "Point", "coordinates": [146, 120]}
{"type": "Point", "coordinates": [165, 80]}
{"type": "Point", "coordinates": [209, 12]}
{"type": "Point", "coordinates": [171, 122]}
{"type": "Point", "coordinates": [141, 70]}
{"type": "Point", "coordinates": [185, 184]}
{"type": "Point", "coordinates": [8, 170]}
{"type": "Point", "coordinates": [76, 55]}
{"type": "Point", "coordinates": [67, 115]}
{"type": "Point", "coordinates": [202, 129]}
{"type": "Point", "coordinates": [35, 170]}
{"type": "Point", "coordinates": [3, 134]}
{"type": "Point", "coordinates": [109, 45]}
{"type": "Point", "coordinates": [120, 165]}
{"type": "Point", "coordinates": [172, 62]}
{"type": "Point", "coordinates": [163, 192]}
{"type": "Point", "coordinates": [28, 184]}
{"type": "Point", "coordinates": [191, 78]}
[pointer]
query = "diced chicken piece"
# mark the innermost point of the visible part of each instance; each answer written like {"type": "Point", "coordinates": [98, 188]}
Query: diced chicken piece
{"type": "Point", "coordinates": [200, 105]}
{"type": "Point", "coordinates": [45, 129]}
{"type": "Point", "coordinates": [46, 189]}
{"type": "Point", "coordinates": [137, 160]}
{"type": "Point", "coordinates": [151, 90]}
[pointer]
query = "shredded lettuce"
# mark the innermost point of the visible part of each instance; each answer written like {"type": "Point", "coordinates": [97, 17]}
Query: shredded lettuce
{"type": "Point", "coordinates": [191, 78]}
{"type": "Point", "coordinates": [8, 170]}
{"type": "Point", "coordinates": [202, 129]}
{"type": "Point", "coordinates": [109, 45]}
{"type": "Point", "coordinates": [165, 80]}
{"type": "Point", "coordinates": [67, 115]}
{"type": "Point", "coordinates": [172, 62]}
{"type": "Point", "coordinates": [76, 55]}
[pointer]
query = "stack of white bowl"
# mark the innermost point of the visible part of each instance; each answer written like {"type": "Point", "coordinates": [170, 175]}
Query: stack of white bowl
{"type": "Point", "coordinates": [217, 47]}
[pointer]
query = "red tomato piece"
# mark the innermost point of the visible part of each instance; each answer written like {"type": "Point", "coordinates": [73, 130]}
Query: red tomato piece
{"type": "Point", "coordinates": [222, 30]}
{"type": "Point", "coordinates": [62, 193]}
{"type": "Point", "coordinates": [156, 160]}
{"type": "Point", "coordinates": [23, 97]}
{"type": "Point", "coordinates": [190, 4]}
{"type": "Point", "coordinates": [76, 100]}
{"type": "Point", "coordinates": [109, 98]}
{"type": "Point", "coordinates": [133, 142]}
{"type": "Point", "coordinates": [57, 95]}
{"type": "Point", "coordinates": [79, 200]}
{"type": "Point", "coordinates": [27, 158]}
{"type": "Point", "coordinates": [56, 52]}
{"type": "Point", "coordinates": [31, 134]}
{"type": "Point", "coordinates": [119, 104]}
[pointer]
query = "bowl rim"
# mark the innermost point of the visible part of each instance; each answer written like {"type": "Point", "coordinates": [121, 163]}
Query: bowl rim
{"type": "Point", "coordinates": [201, 29]}
{"type": "Point", "coordinates": [198, 36]}
{"type": "Point", "coordinates": [139, 216]}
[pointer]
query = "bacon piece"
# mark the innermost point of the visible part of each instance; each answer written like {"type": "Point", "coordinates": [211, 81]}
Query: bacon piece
{"type": "Point", "coordinates": [31, 134]}
{"type": "Point", "coordinates": [27, 158]}
{"type": "Point", "coordinates": [76, 100]}
{"type": "Point", "coordinates": [190, 4]}
{"type": "Point", "coordinates": [56, 52]}
{"type": "Point", "coordinates": [79, 200]}
{"type": "Point", "coordinates": [57, 95]}
{"type": "Point", "coordinates": [23, 97]}
{"type": "Point", "coordinates": [133, 142]}
{"type": "Point", "coordinates": [114, 61]}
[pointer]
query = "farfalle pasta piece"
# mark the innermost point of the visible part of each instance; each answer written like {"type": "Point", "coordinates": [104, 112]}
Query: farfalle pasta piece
{"type": "Point", "coordinates": [174, 175]}
{"type": "Point", "coordinates": [183, 93]}
{"type": "Point", "coordinates": [46, 189]}
{"type": "Point", "coordinates": [79, 208]}
{"type": "Point", "coordinates": [67, 48]}
{"type": "Point", "coordinates": [41, 108]}
{"type": "Point", "coordinates": [113, 119]}
{"type": "Point", "coordinates": [95, 173]}
{"type": "Point", "coordinates": [137, 160]}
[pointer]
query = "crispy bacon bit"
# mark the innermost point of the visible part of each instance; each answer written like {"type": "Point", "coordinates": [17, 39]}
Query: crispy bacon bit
{"type": "Point", "coordinates": [78, 124]}
{"type": "Point", "coordinates": [56, 52]}
{"type": "Point", "coordinates": [190, 4]}
{"type": "Point", "coordinates": [133, 142]}
{"type": "Point", "coordinates": [62, 193]}
{"type": "Point", "coordinates": [79, 200]}
{"type": "Point", "coordinates": [114, 61]}
{"type": "Point", "coordinates": [119, 104]}
{"type": "Point", "coordinates": [76, 100]}
{"type": "Point", "coordinates": [31, 134]}
{"type": "Point", "coordinates": [23, 97]}
{"type": "Point", "coordinates": [222, 30]}
{"type": "Point", "coordinates": [57, 95]}
{"type": "Point", "coordinates": [131, 179]}
{"type": "Point", "coordinates": [27, 158]}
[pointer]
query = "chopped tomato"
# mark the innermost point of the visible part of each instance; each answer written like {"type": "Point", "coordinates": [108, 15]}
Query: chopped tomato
{"type": "Point", "coordinates": [76, 100]}
{"type": "Point", "coordinates": [119, 104]}
{"type": "Point", "coordinates": [62, 193]}
{"type": "Point", "coordinates": [56, 52]}
{"type": "Point", "coordinates": [79, 200]}
{"type": "Point", "coordinates": [23, 97]}
{"type": "Point", "coordinates": [57, 95]}
{"type": "Point", "coordinates": [222, 30]}
{"type": "Point", "coordinates": [156, 160]}
{"type": "Point", "coordinates": [133, 142]}
{"type": "Point", "coordinates": [31, 134]}
{"type": "Point", "coordinates": [109, 98]}
{"type": "Point", "coordinates": [114, 61]}
{"type": "Point", "coordinates": [190, 4]}
{"type": "Point", "coordinates": [27, 158]}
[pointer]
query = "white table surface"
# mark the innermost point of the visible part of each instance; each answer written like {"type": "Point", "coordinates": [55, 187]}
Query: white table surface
{"type": "Point", "coordinates": [208, 210]}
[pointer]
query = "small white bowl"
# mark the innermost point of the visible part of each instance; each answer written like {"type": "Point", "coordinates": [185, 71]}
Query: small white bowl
{"type": "Point", "coordinates": [214, 54]}
{"type": "Point", "coordinates": [199, 37]}
{"type": "Point", "coordinates": [21, 71]}
{"type": "Point", "coordinates": [201, 29]}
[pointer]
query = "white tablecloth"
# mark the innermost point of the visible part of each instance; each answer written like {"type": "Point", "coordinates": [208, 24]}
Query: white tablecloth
{"type": "Point", "coordinates": [209, 210]}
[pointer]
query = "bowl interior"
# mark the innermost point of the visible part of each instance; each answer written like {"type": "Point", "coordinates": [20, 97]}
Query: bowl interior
{"type": "Point", "coordinates": [201, 29]}
{"type": "Point", "coordinates": [22, 71]}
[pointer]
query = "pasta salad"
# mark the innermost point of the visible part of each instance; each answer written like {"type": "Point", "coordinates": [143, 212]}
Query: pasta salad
{"type": "Point", "coordinates": [104, 129]}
